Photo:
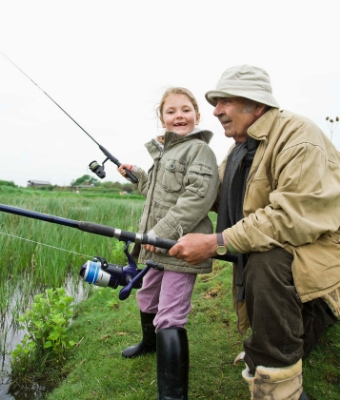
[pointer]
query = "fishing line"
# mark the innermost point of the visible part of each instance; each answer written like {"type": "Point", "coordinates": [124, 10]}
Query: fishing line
{"type": "Point", "coordinates": [46, 245]}
{"type": "Point", "coordinates": [49, 97]}
{"type": "Point", "coordinates": [94, 166]}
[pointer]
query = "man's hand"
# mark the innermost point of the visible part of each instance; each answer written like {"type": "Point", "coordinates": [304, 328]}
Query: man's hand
{"type": "Point", "coordinates": [194, 248]}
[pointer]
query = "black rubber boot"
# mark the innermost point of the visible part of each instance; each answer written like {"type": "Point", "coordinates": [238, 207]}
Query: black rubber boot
{"type": "Point", "coordinates": [172, 364]}
{"type": "Point", "coordinates": [148, 343]}
{"type": "Point", "coordinates": [303, 397]}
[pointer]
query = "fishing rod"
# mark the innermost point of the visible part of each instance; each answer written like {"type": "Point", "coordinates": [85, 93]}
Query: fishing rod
{"type": "Point", "coordinates": [104, 230]}
{"type": "Point", "coordinates": [91, 227]}
{"type": "Point", "coordinates": [98, 271]}
{"type": "Point", "coordinates": [94, 166]}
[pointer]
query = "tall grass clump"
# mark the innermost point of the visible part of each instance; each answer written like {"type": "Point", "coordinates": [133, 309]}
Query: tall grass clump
{"type": "Point", "coordinates": [37, 255]}
{"type": "Point", "coordinates": [49, 264]}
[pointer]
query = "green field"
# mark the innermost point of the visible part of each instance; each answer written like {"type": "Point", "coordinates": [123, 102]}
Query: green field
{"type": "Point", "coordinates": [50, 264]}
{"type": "Point", "coordinates": [103, 325]}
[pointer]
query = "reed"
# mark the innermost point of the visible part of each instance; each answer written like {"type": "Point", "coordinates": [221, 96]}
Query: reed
{"type": "Point", "coordinates": [41, 252]}
{"type": "Point", "coordinates": [36, 255]}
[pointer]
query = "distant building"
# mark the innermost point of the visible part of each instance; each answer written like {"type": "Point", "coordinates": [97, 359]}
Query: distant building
{"type": "Point", "coordinates": [36, 183]}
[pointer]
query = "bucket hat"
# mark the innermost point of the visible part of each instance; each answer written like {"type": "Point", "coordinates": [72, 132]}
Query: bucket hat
{"type": "Point", "coordinates": [244, 81]}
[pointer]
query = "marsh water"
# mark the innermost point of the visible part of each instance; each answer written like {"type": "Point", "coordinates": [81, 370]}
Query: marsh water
{"type": "Point", "coordinates": [35, 255]}
{"type": "Point", "coordinates": [11, 335]}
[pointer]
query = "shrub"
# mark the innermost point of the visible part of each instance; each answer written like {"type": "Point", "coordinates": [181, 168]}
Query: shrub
{"type": "Point", "coordinates": [8, 183]}
{"type": "Point", "coordinates": [46, 341]}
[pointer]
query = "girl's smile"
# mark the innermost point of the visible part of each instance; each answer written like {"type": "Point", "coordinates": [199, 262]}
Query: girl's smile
{"type": "Point", "coordinates": [179, 115]}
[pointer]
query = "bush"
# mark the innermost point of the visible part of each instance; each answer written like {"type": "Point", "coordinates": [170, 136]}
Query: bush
{"type": "Point", "coordinates": [8, 183]}
{"type": "Point", "coordinates": [46, 341]}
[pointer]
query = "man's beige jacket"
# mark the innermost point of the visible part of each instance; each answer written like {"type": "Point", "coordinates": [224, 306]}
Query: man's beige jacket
{"type": "Point", "coordinates": [292, 201]}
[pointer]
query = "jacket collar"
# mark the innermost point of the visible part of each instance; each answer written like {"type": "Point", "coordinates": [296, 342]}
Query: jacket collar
{"type": "Point", "coordinates": [155, 148]}
{"type": "Point", "coordinates": [260, 129]}
{"type": "Point", "coordinates": [196, 133]}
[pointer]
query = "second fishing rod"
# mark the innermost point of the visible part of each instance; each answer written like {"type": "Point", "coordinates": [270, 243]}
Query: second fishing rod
{"type": "Point", "coordinates": [98, 271]}
{"type": "Point", "coordinates": [94, 166]}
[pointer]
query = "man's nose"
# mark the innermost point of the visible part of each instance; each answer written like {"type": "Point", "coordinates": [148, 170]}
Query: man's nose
{"type": "Point", "coordinates": [218, 110]}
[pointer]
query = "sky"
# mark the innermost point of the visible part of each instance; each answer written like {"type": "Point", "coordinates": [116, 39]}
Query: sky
{"type": "Point", "coordinates": [107, 64]}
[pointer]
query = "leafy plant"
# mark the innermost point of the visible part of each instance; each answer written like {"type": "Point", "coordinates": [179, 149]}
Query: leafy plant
{"type": "Point", "coordinates": [47, 338]}
{"type": "Point", "coordinates": [118, 254]}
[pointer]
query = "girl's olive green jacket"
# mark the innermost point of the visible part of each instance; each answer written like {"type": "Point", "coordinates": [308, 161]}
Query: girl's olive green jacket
{"type": "Point", "coordinates": [180, 189]}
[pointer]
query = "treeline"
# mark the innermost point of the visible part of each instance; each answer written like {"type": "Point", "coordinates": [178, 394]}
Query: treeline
{"type": "Point", "coordinates": [7, 183]}
{"type": "Point", "coordinates": [80, 185]}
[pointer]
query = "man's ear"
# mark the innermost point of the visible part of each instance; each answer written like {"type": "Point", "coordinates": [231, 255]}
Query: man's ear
{"type": "Point", "coordinates": [260, 109]}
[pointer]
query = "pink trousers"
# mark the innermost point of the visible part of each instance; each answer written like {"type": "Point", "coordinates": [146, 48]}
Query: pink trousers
{"type": "Point", "coordinates": [168, 295]}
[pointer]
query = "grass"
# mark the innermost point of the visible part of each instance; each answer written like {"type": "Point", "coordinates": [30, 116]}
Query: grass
{"type": "Point", "coordinates": [50, 264]}
{"type": "Point", "coordinates": [35, 255]}
{"type": "Point", "coordinates": [104, 326]}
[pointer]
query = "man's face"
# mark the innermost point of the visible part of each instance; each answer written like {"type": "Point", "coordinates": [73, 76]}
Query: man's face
{"type": "Point", "coordinates": [236, 114]}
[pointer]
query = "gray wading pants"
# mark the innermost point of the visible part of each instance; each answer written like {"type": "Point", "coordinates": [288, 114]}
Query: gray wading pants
{"type": "Point", "coordinates": [283, 328]}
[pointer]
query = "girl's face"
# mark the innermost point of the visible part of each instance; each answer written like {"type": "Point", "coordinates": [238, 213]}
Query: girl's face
{"type": "Point", "coordinates": [179, 115]}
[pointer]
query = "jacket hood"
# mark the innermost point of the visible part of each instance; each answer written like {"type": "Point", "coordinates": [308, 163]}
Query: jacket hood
{"type": "Point", "coordinates": [155, 146]}
{"type": "Point", "coordinates": [201, 134]}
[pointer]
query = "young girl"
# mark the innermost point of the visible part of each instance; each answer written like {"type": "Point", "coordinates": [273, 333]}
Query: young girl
{"type": "Point", "coordinates": [180, 189]}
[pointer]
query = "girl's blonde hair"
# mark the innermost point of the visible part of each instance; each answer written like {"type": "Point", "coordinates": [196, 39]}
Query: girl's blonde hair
{"type": "Point", "coordinates": [176, 90]}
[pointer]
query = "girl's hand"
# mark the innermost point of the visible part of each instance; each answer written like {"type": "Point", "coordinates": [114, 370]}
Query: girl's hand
{"type": "Point", "coordinates": [151, 248]}
{"type": "Point", "coordinates": [122, 169]}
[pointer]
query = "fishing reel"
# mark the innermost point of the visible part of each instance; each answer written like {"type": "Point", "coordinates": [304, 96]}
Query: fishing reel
{"type": "Point", "coordinates": [98, 169]}
{"type": "Point", "coordinates": [101, 273]}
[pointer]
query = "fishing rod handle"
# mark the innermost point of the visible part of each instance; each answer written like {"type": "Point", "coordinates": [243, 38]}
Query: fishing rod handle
{"type": "Point", "coordinates": [168, 243]}
{"type": "Point", "coordinates": [140, 238]}
{"type": "Point", "coordinates": [130, 175]}
{"type": "Point", "coordinates": [115, 161]}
